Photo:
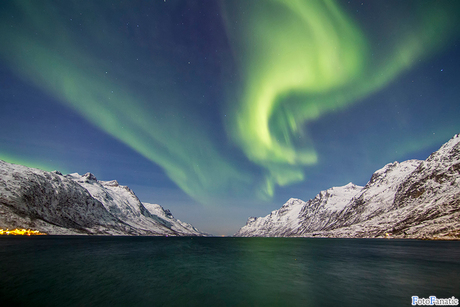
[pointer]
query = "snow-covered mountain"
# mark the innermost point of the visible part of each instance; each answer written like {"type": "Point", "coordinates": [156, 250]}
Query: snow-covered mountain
{"type": "Point", "coordinates": [72, 204]}
{"type": "Point", "coordinates": [412, 199]}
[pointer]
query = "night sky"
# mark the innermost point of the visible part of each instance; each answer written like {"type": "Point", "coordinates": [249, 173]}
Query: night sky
{"type": "Point", "coordinates": [221, 110]}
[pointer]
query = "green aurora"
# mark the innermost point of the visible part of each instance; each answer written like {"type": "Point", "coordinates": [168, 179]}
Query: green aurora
{"type": "Point", "coordinates": [297, 60]}
{"type": "Point", "coordinates": [304, 59]}
{"type": "Point", "coordinates": [56, 63]}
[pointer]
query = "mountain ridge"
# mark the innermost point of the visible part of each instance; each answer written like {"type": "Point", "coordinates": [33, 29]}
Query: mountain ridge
{"type": "Point", "coordinates": [75, 204]}
{"type": "Point", "coordinates": [412, 199]}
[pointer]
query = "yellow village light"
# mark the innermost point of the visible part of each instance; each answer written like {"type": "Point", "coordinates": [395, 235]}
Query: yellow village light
{"type": "Point", "coordinates": [21, 232]}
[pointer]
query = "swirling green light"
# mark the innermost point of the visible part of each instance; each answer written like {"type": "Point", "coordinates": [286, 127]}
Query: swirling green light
{"type": "Point", "coordinates": [156, 123]}
{"type": "Point", "coordinates": [300, 60]}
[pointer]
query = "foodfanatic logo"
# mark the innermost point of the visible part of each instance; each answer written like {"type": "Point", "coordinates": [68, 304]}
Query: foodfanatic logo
{"type": "Point", "coordinates": [433, 300]}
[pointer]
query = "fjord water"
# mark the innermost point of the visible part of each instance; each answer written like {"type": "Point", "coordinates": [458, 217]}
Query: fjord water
{"type": "Point", "coordinates": [195, 271]}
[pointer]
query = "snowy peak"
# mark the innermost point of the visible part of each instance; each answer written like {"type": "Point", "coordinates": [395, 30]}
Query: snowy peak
{"type": "Point", "coordinates": [436, 176]}
{"type": "Point", "coordinates": [448, 152]}
{"type": "Point", "coordinates": [288, 206]}
{"type": "Point", "coordinates": [78, 204]}
{"type": "Point", "coordinates": [111, 183]}
{"type": "Point", "coordinates": [295, 215]}
{"type": "Point", "coordinates": [90, 177]}
{"type": "Point", "coordinates": [411, 199]}
{"type": "Point", "coordinates": [337, 198]}
{"type": "Point", "coordinates": [392, 173]}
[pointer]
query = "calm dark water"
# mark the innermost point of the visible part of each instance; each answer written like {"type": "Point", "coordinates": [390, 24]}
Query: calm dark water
{"type": "Point", "coordinates": [152, 271]}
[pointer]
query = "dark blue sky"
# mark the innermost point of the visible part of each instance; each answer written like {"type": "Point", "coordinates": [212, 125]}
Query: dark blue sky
{"type": "Point", "coordinates": [221, 110]}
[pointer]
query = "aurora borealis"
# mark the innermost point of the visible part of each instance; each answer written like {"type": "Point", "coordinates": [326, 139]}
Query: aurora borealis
{"type": "Point", "coordinates": [225, 109]}
{"type": "Point", "coordinates": [310, 50]}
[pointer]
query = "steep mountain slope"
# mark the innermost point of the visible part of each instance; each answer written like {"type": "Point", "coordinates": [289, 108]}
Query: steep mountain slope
{"type": "Point", "coordinates": [412, 199]}
{"type": "Point", "coordinates": [174, 224]}
{"type": "Point", "coordinates": [56, 204]}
